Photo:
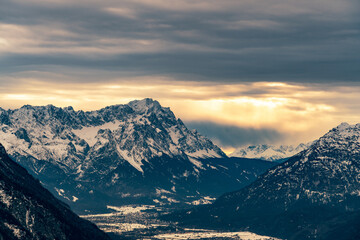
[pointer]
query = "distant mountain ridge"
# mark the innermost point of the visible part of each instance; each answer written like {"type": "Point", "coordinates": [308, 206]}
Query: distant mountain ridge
{"type": "Point", "coordinates": [28, 211]}
{"type": "Point", "coordinates": [133, 152]}
{"type": "Point", "coordinates": [313, 195]}
{"type": "Point", "coordinates": [269, 152]}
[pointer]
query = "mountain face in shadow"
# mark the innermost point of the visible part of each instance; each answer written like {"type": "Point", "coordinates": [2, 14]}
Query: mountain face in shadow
{"type": "Point", "coordinates": [313, 195]}
{"type": "Point", "coordinates": [29, 211]}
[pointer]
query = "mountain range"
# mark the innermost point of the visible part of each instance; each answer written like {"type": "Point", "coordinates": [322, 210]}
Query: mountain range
{"type": "Point", "coordinates": [28, 211]}
{"type": "Point", "coordinates": [269, 152]}
{"type": "Point", "coordinates": [133, 153]}
{"type": "Point", "coordinates": [313, 195]}
{"type": "Point", "coordinates": [141, 153]}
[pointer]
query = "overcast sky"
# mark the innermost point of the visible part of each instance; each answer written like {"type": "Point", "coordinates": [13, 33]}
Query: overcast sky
{"type": "Point", "coordinates": [240, 71]}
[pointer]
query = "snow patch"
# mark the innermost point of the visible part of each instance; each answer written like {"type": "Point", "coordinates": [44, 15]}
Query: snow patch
{"type": "Point", "coordinates": [4, 198]}
{"type": "Point", "coordinates": [202, 201]}
{"type": "Point", "coordinates": [174, 135]}
{"type": "Point", "coordinates": [61, 193]}
{"type": "Point", "coordinates": [196, 162]}
{"type": "Point", "coordinates": [89, 133]}
{"type": "Point", "coordinates": [16, 231]}
{"type": "Point", "coordinates": [169, 199]}
{"type": "Point", "coordinates": [160, 191]}
{"type": "Point", "coordinates": [130, 159]}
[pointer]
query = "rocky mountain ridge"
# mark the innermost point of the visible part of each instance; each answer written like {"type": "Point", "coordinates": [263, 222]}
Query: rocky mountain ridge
{"type": "Point", "coordinates": [65, 135]}
{"type": "Point", "coordinates": [136, 152]}
{"type": "Point", "coordinates": [313, 195]}
{"type": "Point", "coordinates": [269, 152]}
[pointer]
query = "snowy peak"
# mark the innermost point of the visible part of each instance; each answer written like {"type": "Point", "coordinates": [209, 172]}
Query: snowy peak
{"type": "Point", "coordinates": [344, 130]}
{"type": "Point", "coordinates": [344, 137]}
{"type": "Point", "coordinates": [145, 105]}
{"type": "Point", "coordinates": [148, 107]}
{"type": "Point", "coordinates": [269, 152]}
{"type": "Point", "coordinates": [137, 132]}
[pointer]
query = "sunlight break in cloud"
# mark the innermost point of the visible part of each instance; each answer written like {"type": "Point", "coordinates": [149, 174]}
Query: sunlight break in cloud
{"type": "Point", "coordinates": [248, 64]}
{"type": "Point", "coordinates": [304, 112]}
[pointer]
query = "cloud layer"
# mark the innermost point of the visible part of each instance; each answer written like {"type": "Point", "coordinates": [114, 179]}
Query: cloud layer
{"type": "Point", "coordinates": [231, 41]}
{"type": "Point", "coordinates": [233, 136]}
{"type": "Point", "coordinates": [278, 70]}
{"type": "Point", "coordinates": [260, 111]}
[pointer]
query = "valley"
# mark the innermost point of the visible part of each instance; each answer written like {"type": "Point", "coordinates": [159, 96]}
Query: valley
{"type": "Point", "coordinates": [142, 222]}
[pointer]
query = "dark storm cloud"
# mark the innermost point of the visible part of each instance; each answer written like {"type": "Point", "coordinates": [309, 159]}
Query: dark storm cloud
{"type": "Point", "coordinates": [233, 136]}
{"type": "Point", "coordinates": [200, 66]}
{"type": "Point", "coordinates": [277, 40]}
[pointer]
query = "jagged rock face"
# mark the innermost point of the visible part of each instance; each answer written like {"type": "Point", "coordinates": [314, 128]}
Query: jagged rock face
{"type": "Point", "coordinates": [138, 131]}
{"type": "Point", "coordinates": [326, 174]}
{"type": "Point", "coordinates": [303, 198]}
{"type": "Point", "coordinates": [135, 151]}
{"type": "Point", "coordinates": [270, 152]}
{"type": "Point", "coordinates": [29, 211]}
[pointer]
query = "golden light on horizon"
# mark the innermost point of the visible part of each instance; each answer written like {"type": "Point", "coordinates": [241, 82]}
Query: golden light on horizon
{"type": "Point", "coordinates": [285, 107]}
{"type": "Point", "coordinates": [228, 150]}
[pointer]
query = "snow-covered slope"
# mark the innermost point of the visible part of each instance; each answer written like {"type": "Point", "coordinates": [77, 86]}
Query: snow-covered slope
{"type": "Point", "coordinates": [29, 211]}
{"type": "Point", "coordinates": [269, 152]}
{"type": "Point", "coordinates": [138, 131]}
{"type": "Point", "coordinates": [122, 151]}
{"type": "Point", "coordinates": [307, 197]}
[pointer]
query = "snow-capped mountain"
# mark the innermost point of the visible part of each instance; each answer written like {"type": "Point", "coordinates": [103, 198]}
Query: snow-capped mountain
{"type": "Point", "coordinates": [138, 131]}
{"type": "Point", "coordinates": [269, 152]}
{"type": "Point", "coordinates": [28, 211]}
{"type": "Point", "coordinates": [313, 195]}
{"type": "Point", "coordinates": [137, 150]}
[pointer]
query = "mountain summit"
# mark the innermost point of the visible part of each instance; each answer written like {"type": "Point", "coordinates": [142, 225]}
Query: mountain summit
{"type": "Point", "coordinates": [138, 131]}
{"type": "Point", "coordinates": [137, 152]}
